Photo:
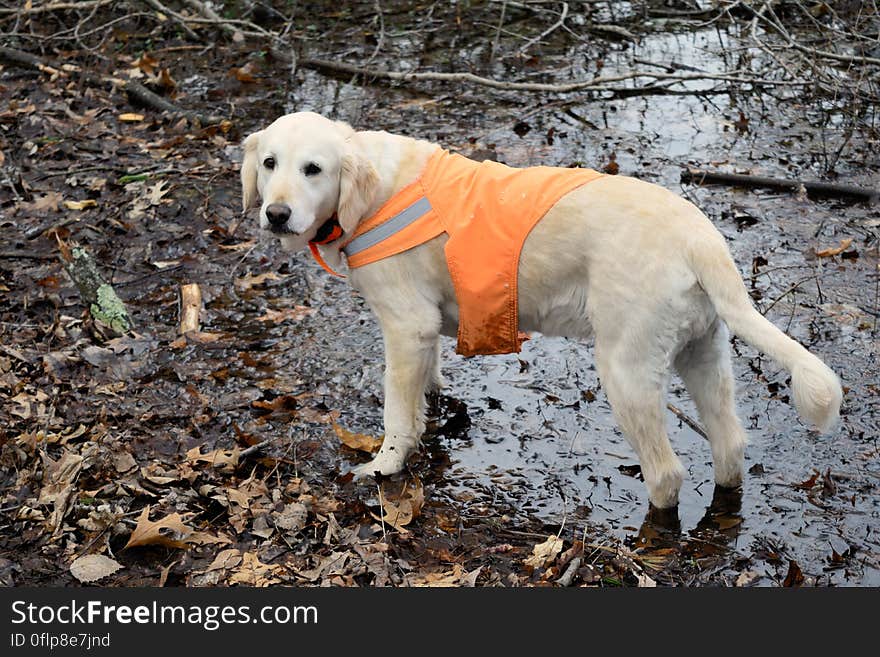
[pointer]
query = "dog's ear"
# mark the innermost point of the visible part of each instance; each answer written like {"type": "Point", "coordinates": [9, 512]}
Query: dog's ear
{"type": "Point", "coordinates": [357, 188]}
{"type": "Point", "coordinates": [249, 171]}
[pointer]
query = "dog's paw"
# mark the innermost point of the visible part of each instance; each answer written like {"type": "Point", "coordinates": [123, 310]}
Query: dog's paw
{"type": "Point", "coordinates": [384, 464]}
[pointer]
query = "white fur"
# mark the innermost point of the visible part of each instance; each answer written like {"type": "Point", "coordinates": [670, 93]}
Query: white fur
{"type": "Point", "coordinates": [632, 265]}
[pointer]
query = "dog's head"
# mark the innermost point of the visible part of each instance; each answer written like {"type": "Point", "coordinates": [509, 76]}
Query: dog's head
{"type": "Point", "coordinates": [306, 168]}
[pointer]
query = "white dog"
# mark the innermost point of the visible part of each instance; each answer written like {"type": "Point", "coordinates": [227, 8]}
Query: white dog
{"type": "Point", "coordinates": [626, 262]}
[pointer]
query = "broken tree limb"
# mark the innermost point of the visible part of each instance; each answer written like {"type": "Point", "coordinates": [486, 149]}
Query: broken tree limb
{"type": "Point", "coordinates": [598, 83]}
{"type": "Point", "coordinates": [98, 296]}
{"type": "Point", "coordinates": [701, 176]}
{"type": "Point", "coordinates": [190, 307]}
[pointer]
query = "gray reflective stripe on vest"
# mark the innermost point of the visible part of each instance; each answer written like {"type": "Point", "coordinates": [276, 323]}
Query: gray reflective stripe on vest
{"type": "Point", "coordinates": [388, 228]}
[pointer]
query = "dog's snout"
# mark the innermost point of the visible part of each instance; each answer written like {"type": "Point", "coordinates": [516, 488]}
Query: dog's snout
{"type": "Point", "coordinates": [277, 214]}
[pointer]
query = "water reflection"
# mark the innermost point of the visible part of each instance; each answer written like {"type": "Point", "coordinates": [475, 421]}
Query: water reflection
{"type": "Point", "coordinates": [714, 534]}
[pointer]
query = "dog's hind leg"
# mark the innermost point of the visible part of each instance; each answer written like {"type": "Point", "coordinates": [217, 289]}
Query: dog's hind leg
{"type": "Point", "coordinates": [410, 361]}
{"type": "Point", "coordinates": [635, 383]}
{"type": "Point", "coordinates": [704, 366]}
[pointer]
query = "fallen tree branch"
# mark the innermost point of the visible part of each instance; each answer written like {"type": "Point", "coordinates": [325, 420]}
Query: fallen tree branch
{"type": "Point", "coordinates": [595, 84]}
{"type": "Point", "coordinates": [97, 295]}
{"type": "Point", "coordinates": [134, 90]}
{"type": "Point", "coordinates": [56, 6]}
{"type": "Point", "coordinates": [701, 176]}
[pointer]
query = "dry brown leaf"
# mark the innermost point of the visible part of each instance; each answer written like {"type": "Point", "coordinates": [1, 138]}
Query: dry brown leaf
{"type": "Point", "coordinates": [834, 250]}
{"type": "Point", "coordinates": [195, 337]}
{"type": "Point", "coordinates": [58, 479]}
{"type": "Point", "coordinates": [46, 202]}
{"type": "Point", "coordinates": [400, 509]}
{"type": "Point", "coordinates": [131, 118]}
{"type": "Point", "coordinates": [241, 246]}
{"type": "Point", "coordinates": [296, 313]}
{"type": "Point", "coordinates": [219, 458]}
{"type": "Point", "coordinates": [225, 560]}
{"type": "Point", "coordinates": [244, 73]}
{"type": "Point", "coordinates": [147, 63]}
{"type": "Point", "coordinates": [544, 553]}
{"type": "Point", "coordinates": [359, 441]}
{"type": "Point", "coordinates": [81, 205]}
{"type": "Point", "coordinates": [157, 192]}
{"type": "Point", "coordinates": [456, 577]}
{"type": "Point", "coordinates": [148, 532]}
{"type": "Point", "coordinates": [253, 572]}
{"type": "Point", "coordinates": [93, 567]}
{"type": "Point", "coordinates": [30, 405]}
{"type": "Point", "coordinates": [164, 80]}
{"type": "Point", "coordinates": [247, 282]}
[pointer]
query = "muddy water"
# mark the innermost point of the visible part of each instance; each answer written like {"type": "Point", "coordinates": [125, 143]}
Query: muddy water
{"type": "Point", "coordinates": [541, 437]}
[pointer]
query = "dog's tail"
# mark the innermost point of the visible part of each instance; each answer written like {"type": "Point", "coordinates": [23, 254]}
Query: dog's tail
{"type": "Point", "coordinates": [817, 391]}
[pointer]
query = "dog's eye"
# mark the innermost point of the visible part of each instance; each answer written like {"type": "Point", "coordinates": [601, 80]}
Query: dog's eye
{"type": "Point", "coordinates": [311, 169]}
{"type": "Point", "coordinates": [269, 163]}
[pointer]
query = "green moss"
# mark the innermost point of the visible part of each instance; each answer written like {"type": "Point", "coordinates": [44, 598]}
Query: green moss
{"type": "Point", "coordinates": [110, 310]}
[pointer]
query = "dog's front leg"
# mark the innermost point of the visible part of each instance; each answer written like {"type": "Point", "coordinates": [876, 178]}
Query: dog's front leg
{"type": "Point", "coordinates": [410, 361]}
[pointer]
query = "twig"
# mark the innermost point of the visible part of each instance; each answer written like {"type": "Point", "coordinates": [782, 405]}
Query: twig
{"type": "Point", "coordinates": [528, 44]}
{"type": "Point", "coordinates": [382, 513]}
{"type": "Point", "coordinates": [701, 176]}
{"type": "Point", "coordinates": [688, 420]}
{"type": "Point", "coordinates": [158, 6]}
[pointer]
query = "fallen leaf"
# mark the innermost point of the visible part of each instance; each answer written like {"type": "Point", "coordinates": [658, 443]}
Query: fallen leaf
{"type": "Point", "coordinates": [241, 246]}
{"type": "Point", "coordinates": [458, 576]}
{"type": "Point", "coordinates": [147, 63]}
{"type": "Point", "coordinates": [794, 577]}
{"type": "Point", "coordinates": [58, 479]}
{"type": "Point", "coordinates": [247, 282]}
{"type": "Point", "coordinates": [157, 192]}
{"type": "Point", "coordinates": [253, 572]}
{"type": "Point", "coordinates": [81, 205]}
{"type": "Point", "coordinates": [93, 567]}
{"type": "Point", "coordinates": [244, 73]}
{"type": "Point", "coordinates": [296, 313]}
{"type": "Point", "coordinates": [46, 202]}
{"type": "Point", "coordinates": [359, 441]}
{"type": "Point", "coordinates": [399, 510]}
{"type": "Point", "coordinates": [834, 250]}
{"type": "Point", "coordinates": [747, 577]}
{"type": "Point", "coordinates": [131, 118]}
{"type": "Point", "coordinates": [219, 458]}
{"type": "Point", "coordinates": [195, 337]}
{"type": "Point", "coordinates": [225, 560]}
{"type": "Point", "coordinates": [646, 582]}
{"type": "Point", "coordinates": [169, 531]}
{"type": "Point", "coordinates": [544, 553]}
{"type": "Point", "coordinates": [809, 483]}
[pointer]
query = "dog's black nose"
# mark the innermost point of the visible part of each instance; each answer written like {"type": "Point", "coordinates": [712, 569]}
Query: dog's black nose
{"type": "Point", "coordinates": [277, 214]}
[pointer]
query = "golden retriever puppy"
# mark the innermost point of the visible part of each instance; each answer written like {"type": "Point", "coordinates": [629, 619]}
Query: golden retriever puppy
{"type": "Point", "coordinates": [627, 263]}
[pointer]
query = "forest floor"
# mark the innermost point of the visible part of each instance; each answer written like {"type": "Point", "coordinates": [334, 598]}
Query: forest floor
{"type": "Point", "coordinates": [136, 447]}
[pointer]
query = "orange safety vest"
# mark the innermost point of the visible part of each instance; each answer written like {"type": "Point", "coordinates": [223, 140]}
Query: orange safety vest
{"type": "Point", "coordinates": [488, 210]}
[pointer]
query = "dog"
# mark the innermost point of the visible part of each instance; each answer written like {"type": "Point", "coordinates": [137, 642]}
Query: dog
{"type": "Point", "coordinates": [631, 265]}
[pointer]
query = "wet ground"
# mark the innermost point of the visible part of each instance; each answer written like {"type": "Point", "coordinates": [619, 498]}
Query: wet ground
{"type": "Point", "coordinates": [523, 446]}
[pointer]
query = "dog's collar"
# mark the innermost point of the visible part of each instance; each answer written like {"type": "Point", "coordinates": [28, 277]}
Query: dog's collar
{"type": "Point", "coordinates": [330, 231]}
